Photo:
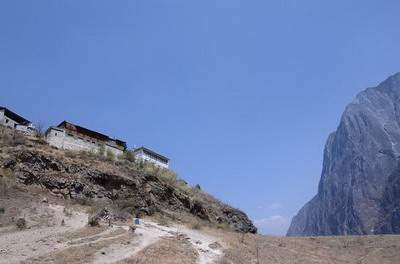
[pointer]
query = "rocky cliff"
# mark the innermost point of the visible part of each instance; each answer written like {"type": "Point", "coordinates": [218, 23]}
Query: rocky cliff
{"type": "Point", "coordinates": [359, 190]}
{"type": "Point", "coordinates": [78, 178]}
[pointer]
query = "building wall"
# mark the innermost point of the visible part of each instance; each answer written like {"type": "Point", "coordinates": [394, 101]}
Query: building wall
{"type": "Point", "coordinates": [27, 130]}
{"type": "Point", "coordinates": [64, 140]}
{"type": "Point", "coordinates": [6, 121]}
{"type": "Point", "coordinates": [141, 155]}
{"type": "Point", "coordinates": [1, 116]}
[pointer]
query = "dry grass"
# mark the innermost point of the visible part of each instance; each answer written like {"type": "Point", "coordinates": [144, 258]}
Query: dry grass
{"type": "Point", "coordinates": [320, 250]}
{"type": "Point", "coordinates": [166, 251]}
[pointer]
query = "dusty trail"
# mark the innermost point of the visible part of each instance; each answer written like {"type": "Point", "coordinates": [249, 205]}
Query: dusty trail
{"type": "Point", "coordinates": [149, 233]}
{"type": "Point", "coordinates": [21, 245]}
{"type": "Point", "coordinates": [40, 242]}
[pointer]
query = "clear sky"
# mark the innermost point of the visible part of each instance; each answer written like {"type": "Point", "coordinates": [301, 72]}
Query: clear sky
{"type": "Point", "coordinates": [241, 95]}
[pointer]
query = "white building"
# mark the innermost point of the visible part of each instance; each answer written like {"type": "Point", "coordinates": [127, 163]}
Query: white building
{"type": "Point", "coordinates": [12, 120]}
{"type": "Point", "coordinates": [148, 155]}
{"type": "Point", "coordinates": [73, 137]}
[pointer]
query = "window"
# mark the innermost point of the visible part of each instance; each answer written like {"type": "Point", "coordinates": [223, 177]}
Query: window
{"type": "Point", "coordinates": [7, 121]}
{"type": "Point", "coordinates": [55, 134]}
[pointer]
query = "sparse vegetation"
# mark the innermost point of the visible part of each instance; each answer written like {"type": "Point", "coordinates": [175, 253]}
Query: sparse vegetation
{"type": "Point", "coordinates": [18, 139]}
{"type": "Point", "coordinates": [98, 212]}
{"type": "Point", "coordinates": [223, 226]}
{"type": "Point", "coordinates": [110, 155]}
{"type": "Point", "coordinates": [94, 220]}
{"type": "Point", "coordinates": [196, 225]}
{"type": "Point", "coordinates": [70, 154]}
{"type": "Point", "coordinates": [101, 151]}
{"type": "Point", "coordinates": [40, 130]}
{"type": "Point", "coordinates": [85, 154]}
{"type": "Point", "coordinates": [162, 220]}
{"type": "Point", "coordinates": [21, 223]}
{"type": "Point", "coordinates": [85, 201]}
{"type": "Point", "coordinates": [67, 212]}
{"type": "Point", "coordinates": [128, 155]}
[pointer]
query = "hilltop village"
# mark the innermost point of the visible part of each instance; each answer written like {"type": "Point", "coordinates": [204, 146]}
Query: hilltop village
{"type": "Point", "coordinates": [69, 136]}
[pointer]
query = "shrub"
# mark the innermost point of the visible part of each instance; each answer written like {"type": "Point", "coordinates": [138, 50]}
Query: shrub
{"type": "Point", "coordinates": [67, 212]}
{"type": "Point", "coordinates": [40, 130]}
{"type": "Point", "coordinates": [21, 223]}
{"type": "Point", "coordinates": [87, 154]}
{"type": "Point", "coordinates": [94, 220]}
{"type": "Point", "coordinates": [98, 214]}
{"type": "Point", "coordinates": [84, 201]}
{"type": "Point", "coordinates": [110, 155]}
{"type": "Point", "coordinates": [18, 139]}
{"type": "Point", "coordinates": [223, 226]}
{"type": "Point", "coordinates": [196, 225]}
{"type": "Point", "coordinates": [128, 155]}
{"type": "Point", "coordinates": [70, 154]}
{"type": "Point", "coordinates": [2, 210]}
{"type": "Point", "coordinates": [162, 220]}
{"type": "Point", "coordinates": [101, 151]}
{"type": "Point", "coordinates": [181, 184]}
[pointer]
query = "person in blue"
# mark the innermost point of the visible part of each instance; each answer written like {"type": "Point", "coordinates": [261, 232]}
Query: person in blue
{"type": "Point", "coordinates": [137, 218]}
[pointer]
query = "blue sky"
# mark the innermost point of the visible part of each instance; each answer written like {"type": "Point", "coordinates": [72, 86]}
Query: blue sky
{"type": "Point", "coordinates": [241, 95]}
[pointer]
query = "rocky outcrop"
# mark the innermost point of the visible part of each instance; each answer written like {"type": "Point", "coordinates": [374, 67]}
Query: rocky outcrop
{"type": "Point", "coordinates": [359, 190]}
{"type": "Point", "coordinates": [71, 179]}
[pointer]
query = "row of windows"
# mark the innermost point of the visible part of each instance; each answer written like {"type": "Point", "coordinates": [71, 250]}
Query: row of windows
{"type": "Point", "coordinates": [154, 157]}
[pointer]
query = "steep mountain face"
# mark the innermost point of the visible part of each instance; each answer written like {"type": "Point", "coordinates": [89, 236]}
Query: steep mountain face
{"type": "Point", "coordinates": [359, 190]}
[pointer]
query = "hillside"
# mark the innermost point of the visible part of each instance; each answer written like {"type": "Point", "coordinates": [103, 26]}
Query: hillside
{"type": "Point", "coordinates": [132, 187]}
{"type": "Point", "coordinates": [359, 190]}
{"type": "Point", "coordinates": [68, 207]}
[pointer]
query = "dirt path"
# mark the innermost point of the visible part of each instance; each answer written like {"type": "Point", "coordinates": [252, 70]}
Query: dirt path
{"type": "Point", "coordinates": [18, 246]}
{"type": "Point", "coordinates": [149, 233]}
{"type": "Point", "coordinates": [46, 236]}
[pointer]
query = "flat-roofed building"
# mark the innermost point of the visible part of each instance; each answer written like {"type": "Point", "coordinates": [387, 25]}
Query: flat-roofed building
{"type": "Point", "coordinates": [13, 120]}
{"type": "Point", "coordinates": [149, 155]}
{"type": "Point", "coordinates": [73, 137]}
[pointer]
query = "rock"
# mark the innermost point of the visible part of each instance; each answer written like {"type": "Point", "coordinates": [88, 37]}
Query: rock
{"type": "Point", "coordinates": [44, 200]}
{"type": "Point", "coordinates": [138, 191]}
{"type": "Point", "coordinates": [215, 245]}
{"type": "Point", "coordinates": [359, 190]}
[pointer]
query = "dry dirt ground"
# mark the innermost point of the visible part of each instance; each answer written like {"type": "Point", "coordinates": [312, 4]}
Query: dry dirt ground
{"type": "Point", "coordinates": [57, 232]}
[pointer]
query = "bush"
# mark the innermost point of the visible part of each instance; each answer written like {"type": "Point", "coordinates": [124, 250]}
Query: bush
{"type": "Point", "coordinates": [21, 223]}
{"type": "Point", "coordinates": [70, 154]}
{"type": "Point", "coordinates": [196, 225]}
{"type": "Point", "coordinates": [223, 226]}
{"type": "Point", "coordinates": [94, 220]}
{"type": "Point", "coordinates": [85, 201]}
{"type": "Point", "coordinates": [40, 130]}
{"type": "Point", "coordinates": [2, 210]}
{"type": "Point", "coordinates": [110, 155]}
{"type": "Point", "coordinates": [101, 151]}
{"type": "Point", "coordinates": [18, 139]}
{"type": "Point", "coordinates": [84, 154]}
{"type": "Point", "coordinates": [67, 212]}
{"type": "Point", "coordinates": [128, 155]}
{"type": "Point", "coordinates": [99, 213]}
